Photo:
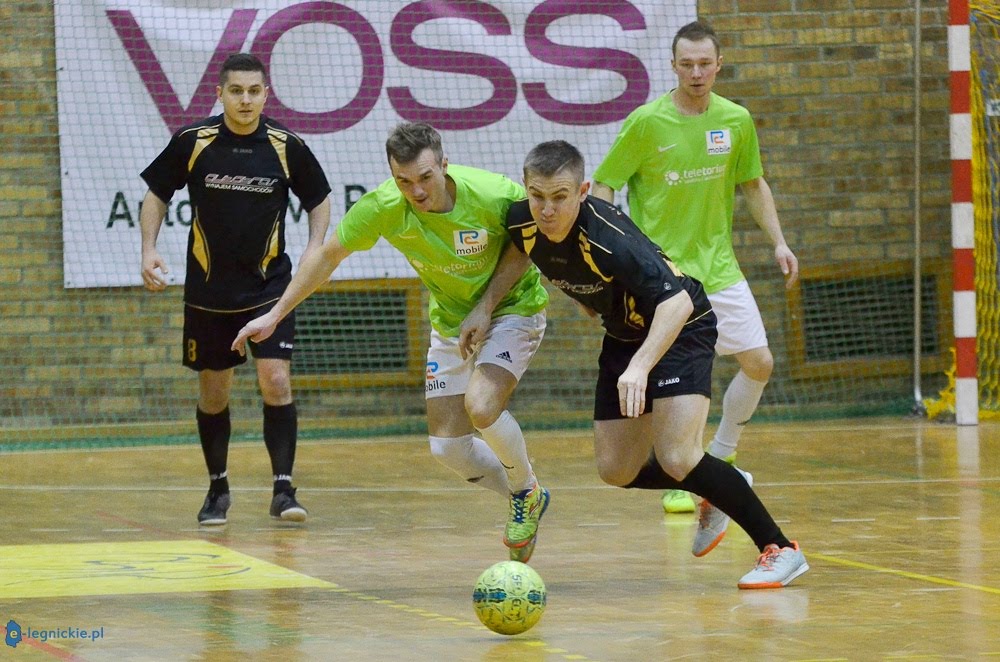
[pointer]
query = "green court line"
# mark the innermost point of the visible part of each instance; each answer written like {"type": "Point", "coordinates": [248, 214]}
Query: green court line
{"type": "Point", "coordinates": [902, 573]}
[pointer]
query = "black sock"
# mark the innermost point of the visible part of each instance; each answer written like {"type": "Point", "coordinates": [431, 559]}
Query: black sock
{"type": "Point", "coordinates": [726, 489]}
{"type": "Point", "coordinates": [653, 477]}
{"type": "Point", "coordinates": [280, 432]}
{"type": "Point", "coordinates": [214, 431]}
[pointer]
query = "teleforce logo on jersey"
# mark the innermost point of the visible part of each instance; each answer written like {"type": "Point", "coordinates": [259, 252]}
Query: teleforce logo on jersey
{"type": "Point", "coordinates": [471, 242]}
{"type": "Point", "coordinates": [718, 141]}
{"type": "Point", "coordinates": [241, 183]}
{"type": "Point", "coordinates": [694, 176]}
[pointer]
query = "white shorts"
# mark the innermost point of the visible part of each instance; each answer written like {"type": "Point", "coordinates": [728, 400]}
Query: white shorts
{"type": "Point", "coordinates": [510, 343]}
{"type": "Point", "coordinates": [740, 325]}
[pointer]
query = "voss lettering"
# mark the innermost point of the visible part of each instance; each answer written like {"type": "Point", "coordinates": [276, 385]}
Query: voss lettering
{"type": "Point", "coordinates": [236, 32]}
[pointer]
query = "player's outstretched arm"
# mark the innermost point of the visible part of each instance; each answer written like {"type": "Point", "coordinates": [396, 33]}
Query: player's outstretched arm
{"type": "Point", "coordinates": [668, 320]}
{"type": "Point", "coordinates": [511, 266]}
{"type": "Point", "coordinates": [150, 220]}
{"type": "Point", "coordinates": [313, 272]}
{"type": "Point", "coordinates": [319, 223]}
{"type": "Point", "coordinates": [760, 201]}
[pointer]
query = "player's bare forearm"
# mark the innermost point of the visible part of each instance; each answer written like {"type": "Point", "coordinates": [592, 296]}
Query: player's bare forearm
{"type": "Point", "coordinates": [152, 268]}
{"type": "Point", "coordinates": [512, 265]}
{"type": "Point", "coordinates": [319, 223]}
{"type": "Point", "coordinates": [760, 202]}
{"type": "Point", "coordinates": [604, 192]}
{"type": "Point", "coordinates": [668, 320]}
{"type": "Point", "coordinates": [314, 270]}
{"type": "Point", "coordinates": [150, 219]}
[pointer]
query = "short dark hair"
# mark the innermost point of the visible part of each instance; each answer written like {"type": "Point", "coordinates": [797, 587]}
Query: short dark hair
{"type": "Point", "coordinates": [241, 62]}
{"type": "Point", "coordinates": [696, 31]}
{"type": "Point", "coordinates": [549, 158]}
{"type": "Point", "coordinates": [409, 139]}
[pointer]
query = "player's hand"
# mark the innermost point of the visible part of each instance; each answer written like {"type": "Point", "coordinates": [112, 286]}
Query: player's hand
{"type": "Point", "coordinates": [473, 331]}
{"type": "Point", "coordinates": [632, 392]}
{"type": "Point", "coordinates": [257, 330]}
{"type": "Point", "coordinates": [152, 279]}
{"type": "Point", "coordinates": [788, 263]}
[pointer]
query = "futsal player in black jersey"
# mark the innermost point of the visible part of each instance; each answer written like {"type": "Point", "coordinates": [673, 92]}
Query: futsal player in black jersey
{"type": "Point", "coordinates": [239, 168]}
{"type": "Point", "coordinates": [655, 366]}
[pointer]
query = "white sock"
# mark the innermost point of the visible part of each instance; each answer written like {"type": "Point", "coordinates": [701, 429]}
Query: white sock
{"type": "Point", "coordinates": [473, 460]}
{"type": "Point", "coordinates": [506, 440]}
{"type": "Point", "coordinates": [738, 405]}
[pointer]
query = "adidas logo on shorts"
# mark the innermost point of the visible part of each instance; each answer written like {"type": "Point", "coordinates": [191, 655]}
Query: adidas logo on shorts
{"type": "Point", "coordinates": [505, 356]}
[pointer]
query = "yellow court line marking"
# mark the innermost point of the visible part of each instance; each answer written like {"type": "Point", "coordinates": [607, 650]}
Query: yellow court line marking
{"type": "Point", "coordinates": [903, 573]}
{"type": "Point", "coordinates": [460, 622]}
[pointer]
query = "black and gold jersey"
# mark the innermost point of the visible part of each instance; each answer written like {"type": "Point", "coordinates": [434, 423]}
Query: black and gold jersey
{"type": "Point", "coordinates": [239, 188]}
{"type": "Point", "coordinates": [607, 264]}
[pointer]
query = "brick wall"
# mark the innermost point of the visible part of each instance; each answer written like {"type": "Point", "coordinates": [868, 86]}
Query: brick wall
{"type": "Point", "coordinates": [829, 83]}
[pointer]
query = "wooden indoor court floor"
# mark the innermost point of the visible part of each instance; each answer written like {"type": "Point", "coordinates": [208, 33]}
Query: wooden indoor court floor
{"type": "Point", "coordinates": [898, 519]}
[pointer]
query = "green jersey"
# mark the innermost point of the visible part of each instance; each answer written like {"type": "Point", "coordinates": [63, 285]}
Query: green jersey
{"type": "Point", "coordinates": [682, 172]}
{"type": "Point", "coordinates": [454, 253]}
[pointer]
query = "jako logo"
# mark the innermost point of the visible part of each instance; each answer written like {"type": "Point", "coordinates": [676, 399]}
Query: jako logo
{"type": "Point", "coordinates": [718, 141]}
{"type": "Point", "coordinates": [13, 637]}
{"type": "Point", "coordinates": [470, 242]}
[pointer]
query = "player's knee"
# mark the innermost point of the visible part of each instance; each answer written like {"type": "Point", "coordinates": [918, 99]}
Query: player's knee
{"type": "Point", "coordinates": [275, 386]}
{"type": "Point", "coordinates": [483, 411]}
{"type": "Point", "coordinates": [614, 473]}
{"type": "Point", "coordinates": [759, 365]}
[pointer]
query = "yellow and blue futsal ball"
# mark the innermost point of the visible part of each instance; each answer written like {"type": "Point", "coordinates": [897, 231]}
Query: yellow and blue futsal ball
{"type": "Point", "coordinates": [509, 597]}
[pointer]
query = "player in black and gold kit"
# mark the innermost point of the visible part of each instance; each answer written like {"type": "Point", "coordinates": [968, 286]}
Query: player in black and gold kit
{"type": "Point", "coordinates": [655, 367]}
{"type": "Point", "coordinates": [239, 168]}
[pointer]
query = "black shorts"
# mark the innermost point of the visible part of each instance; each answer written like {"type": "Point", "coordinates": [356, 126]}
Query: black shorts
{"type": "Point", "coordinates": [208, 336]}
{"type": "Point", "coordinates": [686, 368]}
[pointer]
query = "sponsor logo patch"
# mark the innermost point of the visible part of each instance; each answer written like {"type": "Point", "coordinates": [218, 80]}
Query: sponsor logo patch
{"type": "Point", "coordinates": [718, 141]}
{"type": "Point", "coordinates": [471, 242]}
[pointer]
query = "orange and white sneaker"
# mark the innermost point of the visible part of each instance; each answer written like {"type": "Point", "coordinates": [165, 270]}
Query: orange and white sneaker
{"type": "Point", "coordinates": [526, 510]}
{"type": "Point", "coordinates": [775, 567]}
{"type": "Point", "coordinates": [712, 523]}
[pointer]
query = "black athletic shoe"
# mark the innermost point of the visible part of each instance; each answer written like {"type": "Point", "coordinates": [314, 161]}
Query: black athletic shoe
{"type": "Point", "coordinates": [285, 507]}
{"type": "Point", "coordinates": [213, 511]}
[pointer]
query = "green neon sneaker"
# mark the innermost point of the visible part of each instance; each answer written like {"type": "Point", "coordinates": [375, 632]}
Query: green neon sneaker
{"type": "Point", "coordinates": [678, 501]}
{"type": "Point", "coordinates": [526, 510]}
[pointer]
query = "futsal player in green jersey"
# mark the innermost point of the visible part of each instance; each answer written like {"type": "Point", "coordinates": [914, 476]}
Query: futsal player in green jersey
{"type": "Point", "coordinates": [654, 377]}
{"type": "Point", "coordinates": [239, 168]}
{"type": "Point", "coordinates": [448, 221]}
{"type": "Point", "coordinates": [682, 157]}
